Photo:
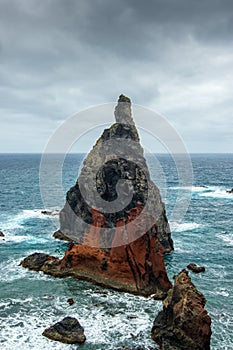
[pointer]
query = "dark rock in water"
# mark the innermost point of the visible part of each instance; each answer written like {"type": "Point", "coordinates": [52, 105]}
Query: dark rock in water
{"type": "Point", "coordinates": [121, 248]}
{"type": "Point", "coordinates": [50, 212]}
{"type": "Point", "coordinates": [195, 268]}
{"type": "Point", "coordinates": [2, 234]}
{"type": "Point", "coordinates": [59, 235]}
{"type": "Point", "coordinates": [70, 301]}
{"type": "Point", "coordinates": [229, 191]}
{"type": "Point", "coordinates": [67, 331]}
{"type": "Point", "coordinates": [38, 261]}
{"type": "Point", "coordinates": [183, 323]}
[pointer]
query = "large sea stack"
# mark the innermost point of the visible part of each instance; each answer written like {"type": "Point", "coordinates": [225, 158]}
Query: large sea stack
{"type": "Point", "coordinates": [116, 156]}
{"type": "Point", "coordinates": [115, 217]}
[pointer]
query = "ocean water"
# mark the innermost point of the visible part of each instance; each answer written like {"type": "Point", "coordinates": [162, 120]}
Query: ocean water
{"type": "Point", "coordinates": [31, 301]}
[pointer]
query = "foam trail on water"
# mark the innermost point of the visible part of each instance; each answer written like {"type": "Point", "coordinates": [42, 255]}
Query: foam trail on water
{"type": "Point", "coordinates": [207, 191]}
{"type": "Point", "coordinates": [185, 226]}
{"type": "Point", "coordinates": [226, 237]}
{"type": "Point", "coordinates": [19, 220]}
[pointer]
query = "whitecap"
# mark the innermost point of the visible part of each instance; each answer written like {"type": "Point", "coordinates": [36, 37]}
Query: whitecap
{"type": "Point", "coordinates": [192, 188]}
{"type": "Point", "coordinates": [226, 237]}
{"type": "Point", "coordinates": [17, 221]}
{"type": "Point", "coordinates": [185, 226]}
{"type": "Point", "coordinates": [222, 291]}
{"type": "Point", "coordinates": [218, 193]}
{"type": "Point", "coordinates": [105, 324]}
{"type": "Point", "coordinates": [23, 238]}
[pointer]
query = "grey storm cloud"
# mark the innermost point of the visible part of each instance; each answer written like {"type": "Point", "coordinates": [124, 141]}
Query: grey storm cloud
{"type": "Point", "coordinates": [58, 57]}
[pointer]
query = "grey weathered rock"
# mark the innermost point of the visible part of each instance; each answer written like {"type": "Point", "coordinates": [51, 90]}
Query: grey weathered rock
{"type": "Point", "coordinates": [67, 331]}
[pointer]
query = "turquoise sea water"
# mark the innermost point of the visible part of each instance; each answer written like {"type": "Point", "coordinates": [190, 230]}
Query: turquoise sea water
{"type": "Point", "coordinates": [30, 301]}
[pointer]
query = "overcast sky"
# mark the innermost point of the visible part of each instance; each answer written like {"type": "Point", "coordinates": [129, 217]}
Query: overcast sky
{"type": "Point", "coordinates": [58, 57]}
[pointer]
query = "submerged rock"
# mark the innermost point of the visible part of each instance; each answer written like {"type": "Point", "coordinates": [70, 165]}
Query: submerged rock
{"type": "Point", "coordinates": [195, 268]}
{"type": "Point", "coordinates": [67, 331]}
{"type": "Point", "coordinates": [183, 323]}
{"type": "Point", "coordinates": [120, 242]}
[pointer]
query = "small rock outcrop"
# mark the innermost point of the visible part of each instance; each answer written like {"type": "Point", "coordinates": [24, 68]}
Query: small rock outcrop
{"type": "Point", "coordinates": [50, 212]}
{"type": "Point", "coordinates": [183, 323]}
{"type": "Point", "coordinates": [70, 301]}
{"type": "Point", "coordinates": [195, 268]}
{"type": "Point", "coordinates": [36, 261]}
{"type": "Point", "coordinates": [2, 234]}
{"type": "Point", "coordinates": [59, 235]}
{"type": "Point", "coordinates": [67, 331]}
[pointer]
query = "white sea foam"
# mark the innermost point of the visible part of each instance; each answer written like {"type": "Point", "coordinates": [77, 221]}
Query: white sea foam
{"type": "Point", "coordinates": [207, 191]}
{"type": "Point", "coordinates": [107, 322]}
{"type": "Point", "coordinates": [218, 192]}
{"type": "Point", "coordinates": [185, 226]}
{"type": "Point", "coordinates": [222, 291]}
{"type": "Point", "coordinates": [18, 221]}
{"type": "Point", "coordinates": [226, 237]}
{"type": "Point", "coordinates": [9, 238]}
{"type": "Point", "coordinates": [12, 271]}
{"type": "Point", "coordinates": [191, 188]}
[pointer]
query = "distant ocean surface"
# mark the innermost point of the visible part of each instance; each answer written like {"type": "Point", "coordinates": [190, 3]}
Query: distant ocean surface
{"type": "Point", "coordinates": [31, 301]}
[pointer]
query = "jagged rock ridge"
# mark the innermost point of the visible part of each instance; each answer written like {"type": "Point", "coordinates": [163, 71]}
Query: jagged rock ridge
{"type": "Point", "coordinates": [183, 324]}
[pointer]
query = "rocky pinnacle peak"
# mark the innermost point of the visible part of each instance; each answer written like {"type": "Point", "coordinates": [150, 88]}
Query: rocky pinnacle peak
{"type": "Point", "coordinates": [123, 110]}
{"type": "Point", "coordinates": [123, 98]}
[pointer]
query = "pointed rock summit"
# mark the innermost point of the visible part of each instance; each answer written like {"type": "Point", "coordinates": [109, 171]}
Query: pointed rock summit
{"type": "Point", "coordinates": [115, 217]}
{"type": "Point", "coordinates": [114, 171]}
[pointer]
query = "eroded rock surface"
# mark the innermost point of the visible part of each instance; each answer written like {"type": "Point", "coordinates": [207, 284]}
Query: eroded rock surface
{"type": "Point", "coordinates": [183, 323]}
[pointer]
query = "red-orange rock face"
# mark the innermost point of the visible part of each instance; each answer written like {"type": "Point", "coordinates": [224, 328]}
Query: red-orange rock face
{"type": "Point", "coordinates": [137, 267]}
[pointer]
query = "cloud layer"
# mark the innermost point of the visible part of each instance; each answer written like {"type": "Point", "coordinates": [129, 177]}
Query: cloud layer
{"type": "Point", "coordinates": [58, 57]}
